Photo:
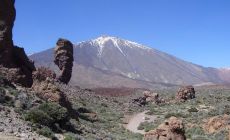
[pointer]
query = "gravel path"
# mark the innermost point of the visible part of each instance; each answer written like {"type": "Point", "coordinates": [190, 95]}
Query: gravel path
{"type": "Point", "coordinates": [137, 119]}
{"type": "Point", "coordinates": [3, 137]}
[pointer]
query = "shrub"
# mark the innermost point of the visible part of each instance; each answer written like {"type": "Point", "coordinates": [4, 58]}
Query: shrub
{"type": "Point", "coordinates": [168, 115]}
{"type": "Point", "coordinates": [38, 116]}
{"type": "Point", "coordinates": [42, 73]}
{"type": "Point", "coordinates": [141, 126]}
{"type": "Point", "coordinates": [55, 111]}
{"type": "Point", "coordinates": [228, 98]}
{"type": "Point", "coordinates": [71, 136]}
{"type": "Point", "coordinates": [193, 109]}
{"type": "Point", "coordinates": [147, 126]}
{"type": "Point", "coordinates": [194, 132]}
{"type": "Point", "coordinates": [227, 109]}
{"type": "Point", "coordinates": [47, 114]}
{"type": "Point", "coordinates": [213, 112]}
{"type": "Point", "coordinates": [13, 92]}
{"type": "Point", "coordinates": [146, 118]}
{"type": "Point", "coordinates": [45, 131]}
{"type": "Point", "coordinates": [104, 105]}
{"type": "Point", "coordinates": [2, 95]}
{"type": "Point", "coordinates": [151, 111]}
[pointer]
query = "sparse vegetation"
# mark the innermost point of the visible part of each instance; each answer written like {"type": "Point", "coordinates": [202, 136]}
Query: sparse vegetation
{"type": "Point", "coordinates": [47, 132]}
{"type": "Point", "coordinates": [47, 114]}
{"type": "Point", "coordinates": [102, 116]}
{"type": "Point", "coordinates": [147, 126]}
{"type": "Point", "coordinates": [193, 109]}
{"type": "Point", "coordinates": [70, 136]}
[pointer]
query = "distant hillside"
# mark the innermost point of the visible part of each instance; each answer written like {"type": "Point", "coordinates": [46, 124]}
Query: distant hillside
{"type": "Point", "coordinates": [114, 62]}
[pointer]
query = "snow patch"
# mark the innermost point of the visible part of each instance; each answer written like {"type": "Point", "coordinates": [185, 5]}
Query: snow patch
{"type": "Point", "coordinates": [101, 41]}
{"type": "Point", "coordinates": [117, 42]}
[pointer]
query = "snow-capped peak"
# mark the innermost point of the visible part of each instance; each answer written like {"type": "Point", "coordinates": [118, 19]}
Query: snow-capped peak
{"type": "Point", "coordinates": [117, 42]}
{"type": "Point", "coordinates": [103, 39]}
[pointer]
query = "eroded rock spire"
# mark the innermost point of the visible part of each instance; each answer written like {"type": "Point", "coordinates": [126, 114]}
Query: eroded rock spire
{"type": "Point", "coordinates": [64, 59]}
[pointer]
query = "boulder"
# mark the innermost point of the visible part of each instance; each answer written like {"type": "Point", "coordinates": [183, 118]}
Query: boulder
{"type": "Point", "coordinates": [151, 96]}
{"type": "Point", "coordinates": [64, 59]}
{"type": "Point", "coordinates": [217, 123]}
{"type": "Point", "coordinates": [171, 129]}
{"type": "Point", "coordinates": [186, 93]}
{"type": "Point", "coordinates": [141, 101]}
{"type": "Point", "coordinates": [15, 65]}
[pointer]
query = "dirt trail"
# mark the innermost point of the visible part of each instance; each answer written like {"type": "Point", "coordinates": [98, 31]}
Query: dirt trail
{"type": "Point", "coordinates": [136, 120]}
{"type": "Point", "coordinates": [4, 137]}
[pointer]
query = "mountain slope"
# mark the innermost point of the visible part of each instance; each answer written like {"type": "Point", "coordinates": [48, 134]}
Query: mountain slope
{"type": "Point", "coordinates": [114, 62]}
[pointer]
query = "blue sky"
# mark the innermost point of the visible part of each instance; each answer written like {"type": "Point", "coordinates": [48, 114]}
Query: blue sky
{"type": "Point", "coordinates": [194, 30]}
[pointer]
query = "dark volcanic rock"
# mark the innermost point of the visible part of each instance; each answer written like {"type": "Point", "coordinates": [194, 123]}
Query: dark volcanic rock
{"type": "Point", "coordinates": [15, 65]}
{"type": "Point", "coordinates": [141, 101]}
{"type": "Point", "coordinates": [64, 59]}
{"type": "Point", "coordinates": [186, 93]}
{"type": "Point", "coordinates": [7, 17]}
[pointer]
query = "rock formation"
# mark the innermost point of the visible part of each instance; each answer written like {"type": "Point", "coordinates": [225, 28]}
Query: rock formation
{"type": "Point", "coordinates": [153, 97]}
{"type": "Point", "coordinates": [171, 129]}
{"type": "Point", "coordinates": [141, 101]}
{"type": "Point", "coordinates": [15, 65]}
{"type": "Point", "coordinates": [7, 17]}
{"type": "Point", "coordinates": [186, 93]}
{"type": "Point", "coordinates": [217, 123]}
{"type": "Point", "coordinates": [49, 90]}
{"type": "Point", "coordinates": [44, 85]}
{"type": "Point", "coordinates": [150, 96]}
{"type": "Point", "coordinates": [64, 59]}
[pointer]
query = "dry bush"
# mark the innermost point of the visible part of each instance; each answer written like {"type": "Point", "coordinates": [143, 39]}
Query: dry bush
{"type": "Point", "coordinates": [42, 73]}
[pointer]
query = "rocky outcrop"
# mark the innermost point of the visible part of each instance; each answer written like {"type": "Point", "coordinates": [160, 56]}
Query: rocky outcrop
{"type": "Point", "coordinates": [47, 91]}
{"type": "Point", "coordinates": [7, 17]}
{"type": "Point", "coordinates": [153, 97]}
{"type": "Point", "coordinates": [186, 93]}
{"type": "Point", "coordinates": [140, 101]}
{"type": "Point", "coordinates": [150, 96]}
{"type": "Point", "coordinates": [64, 59]}
{"type": "Point", "coordinates": [46, 88]}
{"type": "Point", "coordinates": [171, 129]}
{"type": "Point", "coordinates": [15, 64]}
{"type": "Point", "coordinates": [217, 123]}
